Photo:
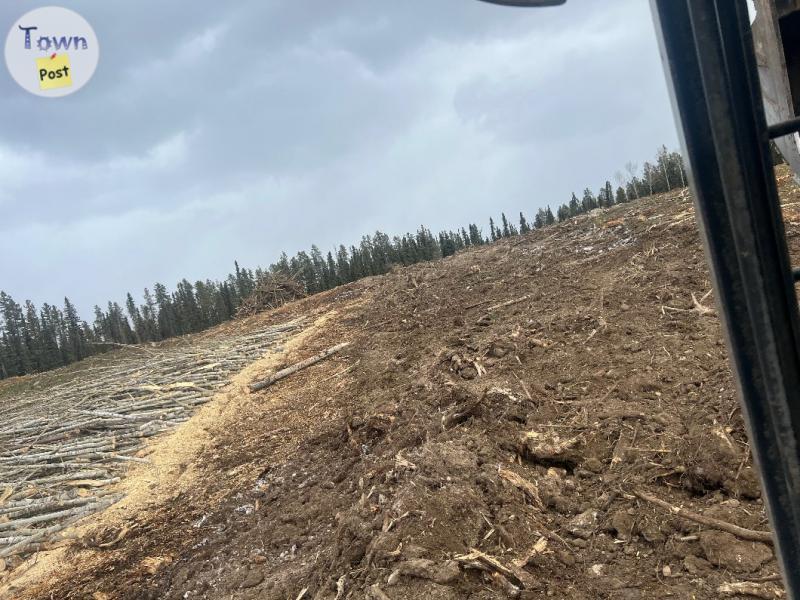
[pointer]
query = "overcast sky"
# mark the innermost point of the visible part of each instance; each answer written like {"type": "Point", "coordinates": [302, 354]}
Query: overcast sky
{"type": "Point", "coordinates": [215, 131]}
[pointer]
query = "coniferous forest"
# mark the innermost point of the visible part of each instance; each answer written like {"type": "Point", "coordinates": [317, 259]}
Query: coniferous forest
{"type": "Point", "coordinates": [38, 339]}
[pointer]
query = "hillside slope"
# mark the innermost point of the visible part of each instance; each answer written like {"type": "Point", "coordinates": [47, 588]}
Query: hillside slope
{"type": "Point", "coordinates": [509, 400]}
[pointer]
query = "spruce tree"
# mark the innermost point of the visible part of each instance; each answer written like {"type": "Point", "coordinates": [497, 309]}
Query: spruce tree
{"type": "Point", "coordinates": [589, 201]}
{"type": "Point", "coordinates": [523, 224]}
{"type": "Point", "coordinates": [333, 278]}
{"type": "Point", "coordinates": [51, 355]}
{"type": "Point", "coordinates": [343, 271]}
{"type": "Point", "coordinates": [33, 339]}
{"type": "Point", "coordinates": [149, 313]}
{"type": "Point", "coordinates": [76, 341]}
{"type": "Point", "coordinates": [575, 206]}
{"type": "Point", "coordinates": [136, 318]}
{"type": "Point", "coordinates": [167, 321]}
{"type": "Point", "coordinates": [13, 322]}
{"type": "Point", "coordinates": [475, 235]}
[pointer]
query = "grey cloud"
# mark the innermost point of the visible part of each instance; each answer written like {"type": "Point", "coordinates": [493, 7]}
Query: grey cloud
{"type": "Point", "coordinates": [215, 131]}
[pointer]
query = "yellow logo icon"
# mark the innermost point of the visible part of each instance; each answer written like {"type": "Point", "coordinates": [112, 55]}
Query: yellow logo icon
{"type": "Point", "coordinates": [54, 71]}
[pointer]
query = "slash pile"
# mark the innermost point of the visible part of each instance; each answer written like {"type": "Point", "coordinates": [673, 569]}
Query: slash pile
{"type": "Point", "coordinates": [271, 291]}
{"type": "Point", "coordinates": [61, 447]}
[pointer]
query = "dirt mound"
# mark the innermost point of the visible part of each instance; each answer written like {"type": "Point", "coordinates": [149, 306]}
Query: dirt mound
{"type": "Point", "coordinates": [484, 436]}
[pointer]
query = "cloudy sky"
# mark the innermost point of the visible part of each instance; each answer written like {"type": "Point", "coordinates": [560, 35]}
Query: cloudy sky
{"type": "Point", "coordinates": [215, 131]}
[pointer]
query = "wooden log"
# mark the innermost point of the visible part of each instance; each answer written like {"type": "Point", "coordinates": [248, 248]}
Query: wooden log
{"type": "Point", "coordinates": [54, 516]}
{"type": "Point", "coordinates": [89, 474]}
{"type": "Point", "coordinates": [46, 505]}
{"type": "Point", "coordinates": [283, 373]}
{"type": "Point", "coordinates": [43, 534]}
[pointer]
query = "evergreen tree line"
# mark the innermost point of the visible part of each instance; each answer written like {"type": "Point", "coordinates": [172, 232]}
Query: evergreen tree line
{"type": "Point", "coordinates": [663, 175]}
{"type": "Point", "coordinates": [34, 340]}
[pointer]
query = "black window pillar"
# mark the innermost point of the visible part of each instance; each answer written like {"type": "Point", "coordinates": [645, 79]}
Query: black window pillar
{"type": "Point", "coordinates": [708, 54]}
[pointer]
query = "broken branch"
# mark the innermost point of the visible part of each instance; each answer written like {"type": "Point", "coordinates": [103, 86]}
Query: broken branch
{"type": "Point", "coordinates": [756, 590]}
{"type": "Point", "coordinates": [740, 532]}
{"type": "Point", "coordinates": [478, 560]}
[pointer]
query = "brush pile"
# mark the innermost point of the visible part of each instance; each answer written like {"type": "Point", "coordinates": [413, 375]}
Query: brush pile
{"type": "Point", "coordinates": [271, 291]}
{"type": "Point", "coordinates": [61, 447]}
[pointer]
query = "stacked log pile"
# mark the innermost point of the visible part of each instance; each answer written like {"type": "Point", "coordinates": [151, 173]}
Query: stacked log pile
{"type": "Point", "coordinates": [271, 291]}
{"type": "Point", "coordinates": [63, 446]}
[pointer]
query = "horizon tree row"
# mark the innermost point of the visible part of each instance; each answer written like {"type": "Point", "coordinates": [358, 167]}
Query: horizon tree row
{"type": "Point", "coordinates": [34, 340]}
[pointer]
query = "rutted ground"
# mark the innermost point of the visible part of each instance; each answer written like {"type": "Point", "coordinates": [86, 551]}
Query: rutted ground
{"type": "Point", "coordinates": [506, 404]}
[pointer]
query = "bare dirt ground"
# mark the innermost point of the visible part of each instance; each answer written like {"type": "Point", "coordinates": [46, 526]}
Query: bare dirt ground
{"type": "Point", "coordinates": [464, 446]}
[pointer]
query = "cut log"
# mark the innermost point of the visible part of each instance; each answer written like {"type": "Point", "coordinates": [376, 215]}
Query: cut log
{"type": "Point", "coordinates": [54, 516]}
{"type": "Point", "coordinates": [283, 373]}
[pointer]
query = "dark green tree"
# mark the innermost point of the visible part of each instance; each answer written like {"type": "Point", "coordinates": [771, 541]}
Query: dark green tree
{"type": "Point", "coordinates": [523, 224]}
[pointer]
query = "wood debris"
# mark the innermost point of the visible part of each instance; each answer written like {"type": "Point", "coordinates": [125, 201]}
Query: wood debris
{"type": "Point", "coordinates": [283, 373]}
{"type": "Point", "coordinates": [476, 559]}
{"type": "Point", "coordinates": [64, 446]}
{"type": "Point", "coordinates": [376, 593]}
{"type": "Point", "coordinates": [341, 584]}
{"type": "Point", "coordinates": [740, 532]}
{"type": "Point", "coordinates": [700, 307]}
{"type": "Point", "coordinates": [271, 291]}
{"type": "Point", "coordinates": [508, 303]}
{"type": "Point", "coordinates": [538, 548]}
{"type": "Point", "coordinates": [748, 588]}
{"type": "Point", "coordinates": [530, 489]}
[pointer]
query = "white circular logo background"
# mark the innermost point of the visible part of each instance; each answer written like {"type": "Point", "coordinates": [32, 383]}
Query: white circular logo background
{"type": "Point", "coordinates": [52, 51]}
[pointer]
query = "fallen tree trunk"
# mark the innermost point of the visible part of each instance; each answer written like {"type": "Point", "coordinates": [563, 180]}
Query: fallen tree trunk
{"type": "Point", "coordinates": [283, 373]}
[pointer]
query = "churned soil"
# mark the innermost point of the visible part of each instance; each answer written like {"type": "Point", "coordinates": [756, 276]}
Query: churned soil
{"type": "Point", "coordinates": [490, 432]}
